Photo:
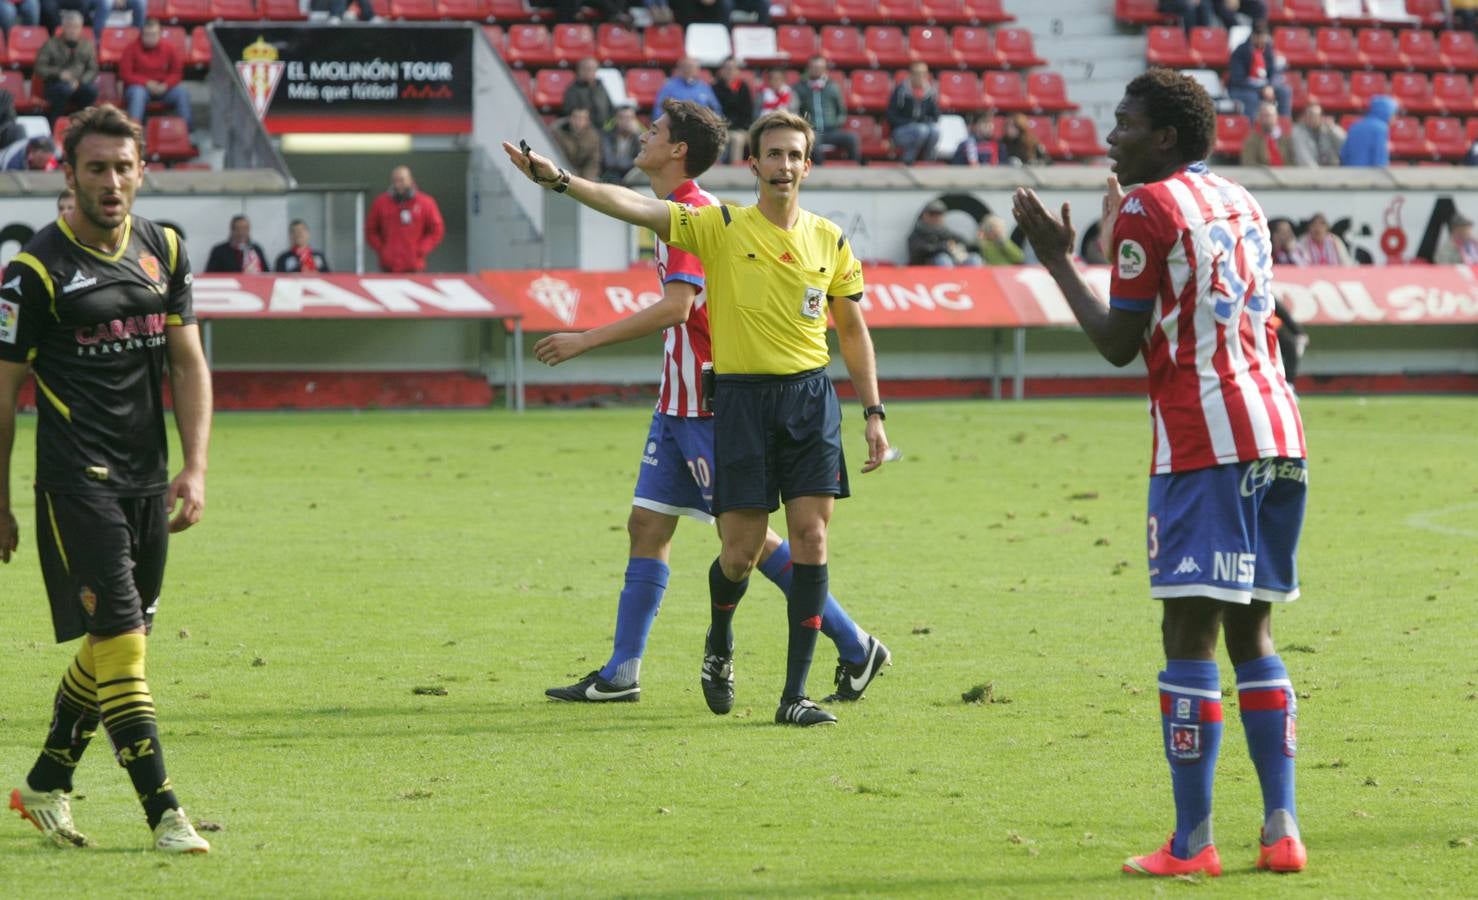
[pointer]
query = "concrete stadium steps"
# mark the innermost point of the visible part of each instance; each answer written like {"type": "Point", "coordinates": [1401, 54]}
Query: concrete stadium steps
{"type": "Point", "coordinates": [1081, 39]}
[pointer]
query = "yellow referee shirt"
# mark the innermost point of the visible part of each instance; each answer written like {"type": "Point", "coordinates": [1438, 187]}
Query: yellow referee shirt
{"type": "Point", "coordinates": [766, 286]}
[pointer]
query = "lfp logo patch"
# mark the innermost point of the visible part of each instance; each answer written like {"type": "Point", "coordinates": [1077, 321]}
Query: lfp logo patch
{"type": "Point", "coordinates": [1131, 260]}
{"type": "Point", "coordinates": [10, 317]}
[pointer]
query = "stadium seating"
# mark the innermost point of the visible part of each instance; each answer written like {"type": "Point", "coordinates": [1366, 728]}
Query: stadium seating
{"type": "Point", "coordinates": [960, 92]}
{"type": "Point", "coordinates": [1298, 12]}
{"type": "Point", "coordinates": [1448, 140]}
{"type": "Point", "coordinates": [976, 47]}
{"type": "Point", "coordinates": [1210, 48]}
{"type": "Point", "coordinates": [25, 42]}
{"type": "Point", "coordinates": [842, 45]}
{"type": "Point", "coordinates": [1454, 93]}
{"type": "Point", "coordinates": [529, 46]}
{"type": "Point", "coordinates": [1231, 132]}
{"type": "Point", "coordinates": [167, 140]}
{"type": "Point", "coordinates": [1414, 92]}
{"type": "Point", "coordinates": [283, 11]}
{"type": "Point", "coordinates": [869, 90]}
{"type": "Point", "coordinates": [642, 85]}
{"type": "Point", "coordinates": [988, 12]}
{"type": "Point", "coordinates": [1380, 49]}
{"type": "Point", "coordinates": [549, 88]}
{"type": "Point", "coordinates": [409, 10]}
{"type": "Point", "coordinates": [945, 12]}
{"type": "Point", "coordinates": [1169, 47]}
{"type": "Point", "coordinates": [887, 46]}
{"type": "Point", "coordinates": [1408, 140]}
{"type": "Point", "coordinates": [1007, 91]}
{"type": "Point", "coordinates": [800, 42]}
{"type": "Point", "coordinates": [573, 43]}
{"type": "Point", "coordinates": [235, 10]}
{"type": "Point", "coordinates": [813, 12]}
{"type": "Point", "coordinates": [755, 45]}
{"type": "Point", "coordinates": [1017, 48]}
{"type": "Point", "coordinates": [1331, 90]}
{"type": "Point", "coordinates": [111, 44]}
{"type": "Point", "coordinates": [1365, 85]}
{"type": "Point", "coordinates": [1459, 51]}
{"type": "Point", "coordinates": [1048, 92]}
{"type": "Point", "coordinates": [1428, 12]}
{"type": "Point", "coordinates": [617, 45]}
{"type": "Point", "coordinates": [1297, 47]}
{"type": "Point", "coordinates": [1421, 50]}
{"type": "Point", "coordinates": [859, 12]}
{"type": "Point", "coordinates": [187, 12]}
{"type": "Point", "coordinates": [196, 50]}
{"type": "Point", "coordinates": [462, 10]}
{"type": "Point", "coordinates": [872, 136]}
{"type": "Point", "coordinates": [19, 88]}
{"type": "Point", "coordinates": [1043, 130]}
{"type": "Point", "coordinates": [1337, 48]}
{"type": "Point", "coordinates": [931, 45]}
{"type": "Point", "coordinates": [665, 45]}
{"type": "Point", "coordinates": [1079, 137]}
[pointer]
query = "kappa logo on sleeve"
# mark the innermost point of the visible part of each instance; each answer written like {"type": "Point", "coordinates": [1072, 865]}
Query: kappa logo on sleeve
{"type": "Point", "coordinates": [1131, 259]}
{"type": "Point", "coordinates": [10, 317]}
{"type": "Point", "coordinates": [1132, 207]}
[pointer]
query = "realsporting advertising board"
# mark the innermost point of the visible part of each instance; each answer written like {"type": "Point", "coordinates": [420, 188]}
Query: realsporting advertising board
{"type": "Point", "coordinates": [355, 78]}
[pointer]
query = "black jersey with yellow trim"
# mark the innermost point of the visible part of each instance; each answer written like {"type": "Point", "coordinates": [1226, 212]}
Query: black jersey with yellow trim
{"type": "Point", "coordinates": [94, 328]}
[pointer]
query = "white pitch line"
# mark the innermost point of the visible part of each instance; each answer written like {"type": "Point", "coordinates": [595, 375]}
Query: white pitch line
{"type": "Point", "coordinates": [1424, 520]}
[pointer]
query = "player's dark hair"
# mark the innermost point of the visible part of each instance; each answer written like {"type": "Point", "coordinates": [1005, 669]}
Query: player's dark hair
{"type": "Point", "coordinates": [778, 119]}
{"type": "Point", "coordinates": [1173, 100]}
{"type": "Point", "coordinates": [702, 129]}
{"type": "Point", "coordinates": [105, 119]}
{"type": "Point", "coordinates": [295, 223]}
{"type": "Point", "coordinates": [239, 217]}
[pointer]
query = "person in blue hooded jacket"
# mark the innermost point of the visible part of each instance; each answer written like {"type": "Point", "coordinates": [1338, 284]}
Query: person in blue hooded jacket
{"type": "Point", "coordinates": [1369, 140]}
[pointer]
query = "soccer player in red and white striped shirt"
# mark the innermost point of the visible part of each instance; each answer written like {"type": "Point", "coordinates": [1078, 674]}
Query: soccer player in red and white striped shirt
{"type": "Point", "coordinates": [1191, 293]}
{"type": "Point", "coordinates": [676, 474]}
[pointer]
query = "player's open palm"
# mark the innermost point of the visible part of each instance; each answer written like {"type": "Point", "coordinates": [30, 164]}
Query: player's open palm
{"type": "Point", "coordinates": [1113, 198]}
{"type": "Point", "coordinates": [1050, 237]}
{"type": "Point", "coordinates": [188, 491]}
{"type": "Point", "coordinates": [10, 534]}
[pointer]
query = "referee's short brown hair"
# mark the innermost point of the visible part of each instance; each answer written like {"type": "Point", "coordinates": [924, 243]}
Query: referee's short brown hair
{"type": "Point", "coordinates": [776, 120]}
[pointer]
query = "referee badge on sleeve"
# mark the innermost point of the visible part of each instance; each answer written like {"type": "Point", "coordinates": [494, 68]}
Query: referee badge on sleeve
{"type": "Point", "coordinates": [10, 317]}
{"type": "Point", "coordinates": [814, 303]}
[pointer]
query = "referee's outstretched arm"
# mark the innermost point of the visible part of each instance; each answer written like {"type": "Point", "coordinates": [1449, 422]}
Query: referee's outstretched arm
{"type": "Point", "coordinates": [612, 199]}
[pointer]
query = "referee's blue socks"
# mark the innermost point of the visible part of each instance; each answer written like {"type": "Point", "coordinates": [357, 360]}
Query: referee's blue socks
{"type": "Point", "coordinates": [804, 601]}
{"type": "Point", "coordinates": [835, 623]}
{"type": "Point", "coordinates": [646, 581]}
{"type": "Point", "coordinates": [1269, 710]}
{"type": "Point", "coordinates": [724, 596]}
{"type": "Point", "coordinates": [1190, 722]}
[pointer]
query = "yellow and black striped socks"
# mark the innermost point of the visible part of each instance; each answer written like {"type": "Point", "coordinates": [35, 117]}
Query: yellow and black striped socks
{"type": "Point", "coordinates": [128, 714]}
{"type": "Point", "coordinates": [74, 720]}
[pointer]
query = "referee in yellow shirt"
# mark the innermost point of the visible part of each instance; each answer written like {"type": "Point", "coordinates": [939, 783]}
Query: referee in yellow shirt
{"type": "Point", "coordinates": [773, 271]}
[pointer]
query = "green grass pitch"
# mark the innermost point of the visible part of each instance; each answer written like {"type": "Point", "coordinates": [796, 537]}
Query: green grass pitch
{"type": "Point", "coordinates": [347, 560]}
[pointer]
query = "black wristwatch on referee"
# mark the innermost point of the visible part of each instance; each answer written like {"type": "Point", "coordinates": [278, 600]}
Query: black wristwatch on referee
{"type": "Point", "coordinates": [871, 411]}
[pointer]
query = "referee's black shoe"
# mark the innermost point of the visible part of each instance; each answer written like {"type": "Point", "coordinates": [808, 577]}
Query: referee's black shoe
{"type": "Point", "coordinates": [852, 680]}
{"type": "Point", "coordinates": [717, 680]}
{"type": "Point", "coordinates": [801, 711]}
{"type": "Point", "coordinates": [595, 689]}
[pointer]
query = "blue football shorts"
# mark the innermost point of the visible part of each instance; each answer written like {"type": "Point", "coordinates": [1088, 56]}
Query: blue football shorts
{"type": "Point", "coordinates": [1228, 532]}
{"type": "Point", "coordinates": [676, 473]}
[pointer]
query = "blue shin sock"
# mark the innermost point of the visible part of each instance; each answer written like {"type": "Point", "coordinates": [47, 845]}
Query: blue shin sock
{"type": "Point", "coordinates": [1190, 722]}
{"type": "Point", "coordinates": [1269, 709]}
{"type": "Point", "coordinates": [646, 580]}
{"type": "Point", "coordinates": [851, 641]}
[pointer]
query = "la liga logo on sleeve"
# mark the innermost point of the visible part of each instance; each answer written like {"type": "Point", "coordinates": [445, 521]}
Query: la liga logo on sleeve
{"type": "Point", "coordinates": [1131, 259]}
{"type": "Point", "coordinates": [10, 317]}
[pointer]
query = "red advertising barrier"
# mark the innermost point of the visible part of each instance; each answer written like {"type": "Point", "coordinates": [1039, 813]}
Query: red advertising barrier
{"type": "Point", "coordinates": [1012, 296]}
{"type": "Point", "coordinates": [347, 297]}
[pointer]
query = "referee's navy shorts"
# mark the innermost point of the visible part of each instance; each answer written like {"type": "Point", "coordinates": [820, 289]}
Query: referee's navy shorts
{"type": "Point", "coordinates": [776, 437]}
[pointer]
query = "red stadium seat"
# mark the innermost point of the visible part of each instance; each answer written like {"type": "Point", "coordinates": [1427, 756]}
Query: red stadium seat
{"type": "Point", "coordinates": [1231, 133]}
{"type": "Point", "coordinates": [900, 12]}
{"type": "Point", "coordinates": [642, 85]}
{"type": "Point", "coordinates": [887, 46]}
{"type": "Point", "coordinates": [167, 140]}
{"type": "Point", "coordinates": [176, 37]}
{"type": "Point", "coordinates": [859, 12]}
{"type": "Point", "coordinates": [1297, 46]}
{"type": "Point", "coordinates": [283, 11]}
{"type": "Point", "coordinates": [1421, 50]}
{"type": "Point", "coordinates": [1168, 47]}
{"type": "Point", "coordinates": [1446, 136]}
{"type": "Point", "coordinates": [976, 47]}
{"type": "Point", "coordinates": [496, 37]}
{"type": "Point", "coordinates": [235, 10]}
{"type": "Point", "coordinates": [1048, 92]}
{"type": "Point", "coordinates": [59, 129]}
{"type": "Point", "coordinates": [1302, 12]}
{"type": "Point", "coordinates": [931, 45]}
{"type": "Point", "coordinates": [573, 43]}
{"type": "Point", "coordinates": [1210, 47]}
{"type": "Point", "coordinates": [112, 43]}
{"type": "Point", "coordinates": [463, 10]}
{"type": "Point", "coordinates": [25, 42]}
{"type": "Point", "coordinates": [1079, 137]}
{"type": "Point", "coordinates": [1329, 89]}
{"type": "Point", "coordinates": [525, 83]}
{"type": "Point", "coordinates": [842, 46]}
{"type": "Point", "coordinates": [1017, 48]}
{"type": "Point", "coordinates": [1042, 128]}
{"type": "Point", "coordinates": [873, 136]}
{"type": "Point", "coordinates": [196, 51]}
{"type": "Point", "coordinates": [945, 12]}
{"type": "Point", "coordinates": [1473, 129]}
{"type": "Point", "coordinates": [1430, 12]}
{"type": "Point", "coordinates": [1007, 91]}
{"type": "Point", "coordinates": [960, 92]}
{"type": "Point", "coordinates": [1141, 12]}
{"type": "Point", "coordinates": [799, 41]}
{"type": "Point", "coordinates": [1454, 93]}
{"type": "Point", "coordinates": [1408, 141]}
{"type": "Point", "coordinates": [110, 90]}
{"type": "Point", "coordinates": [987, 12]}
{"type": "Point", "coordinates": [1379, 47]}
{"type": "Point", "coordinates": [665, 45]}
{"type": "Point", "coordinates": [1298, 88]}
{"type": "Point", "coordinates": [814, 12]}
{"type": "Point", "coordinates": [1459, 50]}
{"type": "Point", "coordinates": [617, 45]}
{"type": "Point", "coordinates": [869, 90]}
{"type": "Point", "coordinates": [1414, 92]}
{"type": "Point", "coordinates": [530, 46]}
{"type": "Point", "coordinates": [512, 12]}
{"type": "Point", "coordinates": [187, 12]}
{"type": "Point", "coordinates": [1364, 85]}
{"type": "Point", "coordinates": [409, 10]}
{"type": "Point", "coordinates": [19, 88]}
{"type": "Point", "coordinates": [549, 88]}
{"type": "Point", "coordinates": [1338, 48]}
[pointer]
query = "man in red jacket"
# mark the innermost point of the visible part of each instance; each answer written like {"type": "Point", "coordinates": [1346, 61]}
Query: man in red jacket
{"type": "Point", "coordinates": [404, 225]}
{"type": "Point", "coordinates": [152, 71]}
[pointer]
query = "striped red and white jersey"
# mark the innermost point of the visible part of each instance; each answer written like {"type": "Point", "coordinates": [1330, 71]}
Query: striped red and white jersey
{"type": "Point", "coordinates": [1194, 251]}
{"type": "Point", "coordinates": [685, 347]}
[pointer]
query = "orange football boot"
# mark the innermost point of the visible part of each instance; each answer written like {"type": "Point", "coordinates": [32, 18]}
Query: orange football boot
{"type": "Point", "coordinates": [1165, 864]}
{"type": "Point", "coordinates": [1285, 855]}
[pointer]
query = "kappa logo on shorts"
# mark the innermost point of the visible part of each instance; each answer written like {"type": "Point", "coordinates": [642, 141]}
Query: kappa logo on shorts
{"type": "Point", "coordinates": [1188, 566]}
{"type": "Point", "coordinates": [10, 317]}
{"type": "Point", "coordinates": [1131, 260]}
{"type": "Point", "coordinates": [814, 304]}
{"type": "Point", "coordinates": [89, 600]}
{"type": "Point", "coordinates": [1185, 742]}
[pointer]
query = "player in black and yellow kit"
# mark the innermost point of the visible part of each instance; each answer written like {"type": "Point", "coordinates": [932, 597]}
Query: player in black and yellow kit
{"type": "Point", "coordinates": [774, 272]}
{"type": "Point", "coordinates": [94, 307]}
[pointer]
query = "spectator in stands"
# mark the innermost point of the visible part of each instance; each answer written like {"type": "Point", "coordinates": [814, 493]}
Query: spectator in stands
{"type": "Point", "coordinates": [1369, 140]}
{"type": "Point", "coordinates": [151, 71]}
{"type": "Point", "coordinates": [1322, 247]}
{"type": "Point", "coordinates": [95, 12]}
{"type": "Point", "coordinates": [66, 201]}
{"type": "Point", "coordinates": [580, 141]}
{"type": "Point", "coordinates": [1256, 73]}
{"type": "Point", "coordinates": [1286, 251]}
{"type": "Point", "coordinates": [1019, 146]}
{"type": "Point", "coordinates": [586, 92]}
{"type": "Point", "coordinates": [238, 253]}
{"type": "Point", "coordinates": [1465, 14]}
{"type": "Point", "coordinates": [736, 103]}
{"type": "Point", "coordinates": [40, 156]}
{"type": "Point", "coordinates": [913, 112]}
{"type": "Point", "coordinates": [819, 101]}
{"type": "Point", "coordinates": [1472, 158]}
{"type": "Point", "coordinates": [567, 11]}
{"type": "Point", "coordinates": [721, 11]}
{"type": "Point", "coordinates": [300, 255]}
{"type": "Point", "coordinates": [980, 147]}
{"type": "Point", "coordinates": [1317, 139]}
{"type": "Point", "coordinates": [1227, 11]}
{"type": "Point", "coordinates": [1292, 340]}
{"type": "Point", "coordinates": [776, 94]}
{"type": "Point", "coordinates": [686, 85]}
{"type": "Point", "coordinates": [931, 243]}
{"type": "Point", "coordinates": [337, 8]}
{"type": "Point", "coordinates": [10, 129]}
{"type": "Point", "coordinates": [404, 225]}
{"type": "Point", "coordinates": [1192, 13]}
{"type": "Point", "coordinates": [26, 12]}
{"type": "Point", "coordinates": [660, 11]}
{"type": "Point", "coordinates": [620, 146]}
{"type": "Point", "coordinates": [996, 246]}
{"type": "Point", "coordinates": [1267, 144]}
{"type": "Point", "coordinates": [1459, 249]}
{"type": "Point", "coordinates": [68, 67]}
